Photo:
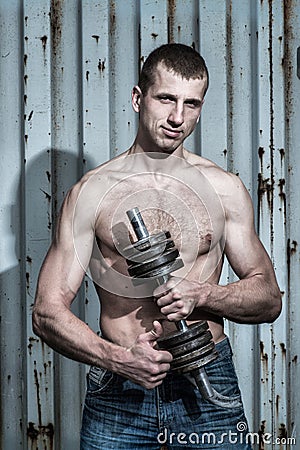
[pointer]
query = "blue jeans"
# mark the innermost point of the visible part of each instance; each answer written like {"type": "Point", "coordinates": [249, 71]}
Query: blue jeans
{"type": "Point", "coordinates": [119, 414]}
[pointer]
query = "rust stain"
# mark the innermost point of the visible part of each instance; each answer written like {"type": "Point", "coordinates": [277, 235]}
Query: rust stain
{"type": "Point", "coordinates": [283, 348]}
{"type": "Point", "coordinates": [265, 187]}
{"type": "Point", "coordinates": [44, 432]}
{"type": "Point", "coordinates": [277, 403]}
{"type": "Point", "coordinates": [171, 19]}
{"type": "Point", "coordinates": [282, 196]}
{"type": "Point", "coordinates": [101, 65]}
{"type": "Point", "coordinates": [264, 356]}
{"type": "Point", "coordinates": [44, 42]}
{"type": "Point", "coordinates": [38, 393]}
{"type": "Point", "coordinates": [261, 432]}
{"type": "Point", "coordinates": [261, 152]}
{"type": "Point", "coordinates": [112, 17]}
{"type": "Point", "coordinates": [96, 36]}
{"type": "Point", "coordinates": [282, 431]}
{"type": "Point", "coordinates": [32, 340]}
{"type": "Point", "coordinates": [292, 247]}
{"type": "Point", "coordinates": [48, 196]}
{"type": "Point", "coordinates": [265, 363]}
{"type": "Point", "coordinates": [27, 281]}
{"type": "Point", "coordinates": [56, 14]}
{"type": "Point", "coordinates": [288, 6]}
{"type": "Point", "coordinates": [282, 153]}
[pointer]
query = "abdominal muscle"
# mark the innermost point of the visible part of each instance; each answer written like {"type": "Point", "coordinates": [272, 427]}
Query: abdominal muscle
{"type": "Point", "coordinates": [124, 319]}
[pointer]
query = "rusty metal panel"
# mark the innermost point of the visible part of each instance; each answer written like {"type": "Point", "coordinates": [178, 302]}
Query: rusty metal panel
{"type": "Point", "coordinates": [12, 282]}
{"type": "Point", "coordinates": [271, 126]}
{"type": "Point", "coordinates": [67, 166]}
{"type": "Point", "coordinates": [66, 72]}
{"type": "Point", "coordinates": [292, 176]}
{"type": "Point", "coordinates": [37, 221]}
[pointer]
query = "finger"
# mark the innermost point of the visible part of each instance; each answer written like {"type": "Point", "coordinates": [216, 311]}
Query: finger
{"type": "Point", "coordinates": [175, 317]}
{"type": "Point", "coordinates": [166, 287]}
{"type": "Point", "coordinates": [165, 300]}
{"type": "Point", "coordinates": [160, 291]}
{"type": "Point", "coordinates": [164, 358]}
{"type": "Point", "coordinates": [152, 335]}
{"type": "Point", "coordinates": [176, 294]}
{"type": "Point", "coordinates": [172, 307]}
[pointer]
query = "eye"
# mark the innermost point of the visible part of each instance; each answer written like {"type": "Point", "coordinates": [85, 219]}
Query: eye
{"type": "Point", "coordinates": [165, 98]}
{"type": "Point", "coordinates": [192, 103]}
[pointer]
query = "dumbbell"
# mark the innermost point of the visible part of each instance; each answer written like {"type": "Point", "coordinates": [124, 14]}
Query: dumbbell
{"type": "Point", "coordinates": [155, 257]}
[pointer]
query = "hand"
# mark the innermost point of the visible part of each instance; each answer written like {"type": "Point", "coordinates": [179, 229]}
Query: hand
{"type": "Point", "coordinates": [177, 298]}
{"type": "Point", "coordinates": [144, 364]}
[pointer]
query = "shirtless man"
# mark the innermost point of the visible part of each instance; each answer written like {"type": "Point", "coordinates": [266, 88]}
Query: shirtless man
{"type": "Point", "coordinates": [133, 400]}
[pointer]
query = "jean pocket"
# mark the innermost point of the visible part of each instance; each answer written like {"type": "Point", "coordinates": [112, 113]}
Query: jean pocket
{"type": "Point", "coordinates": [98, 380]}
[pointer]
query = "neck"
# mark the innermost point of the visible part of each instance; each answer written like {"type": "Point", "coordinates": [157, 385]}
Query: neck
{"type": "Point", "coordinates": [153, 158]}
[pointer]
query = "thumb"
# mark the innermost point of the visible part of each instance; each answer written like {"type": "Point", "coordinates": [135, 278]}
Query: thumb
{"type": "Point", "coordinates": [152, 336]}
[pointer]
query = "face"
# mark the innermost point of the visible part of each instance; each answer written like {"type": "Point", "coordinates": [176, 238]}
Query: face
{"type": "Point", "coordinates": [169, 111]}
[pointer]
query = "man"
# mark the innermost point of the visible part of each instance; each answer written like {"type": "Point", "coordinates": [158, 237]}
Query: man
{"type": "Point", "coordinates": [133, 399]}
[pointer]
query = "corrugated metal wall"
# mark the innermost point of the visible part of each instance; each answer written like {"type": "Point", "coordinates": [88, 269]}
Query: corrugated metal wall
{"type": "Point", "coordinates": [67, 68]}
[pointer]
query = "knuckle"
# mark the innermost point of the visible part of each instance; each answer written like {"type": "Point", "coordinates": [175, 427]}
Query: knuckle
{"type": "Point", "coordinates": [170, 284]}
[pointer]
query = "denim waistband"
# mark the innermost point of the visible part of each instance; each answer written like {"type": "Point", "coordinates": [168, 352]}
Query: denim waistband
{"type": "Point", "coordinates": [223, 347]}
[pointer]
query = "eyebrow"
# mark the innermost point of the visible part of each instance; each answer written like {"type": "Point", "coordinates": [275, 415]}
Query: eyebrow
{"type": "Point", "coordinates": [196, 101]}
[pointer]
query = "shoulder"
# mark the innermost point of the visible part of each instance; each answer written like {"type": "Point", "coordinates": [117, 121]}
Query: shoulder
{"type": "Point", "coordinates": [229, 187]}
{"type": "Point", "coordinates": [90, 188]}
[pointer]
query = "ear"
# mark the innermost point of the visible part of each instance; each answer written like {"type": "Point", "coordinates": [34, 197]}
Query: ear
{"type": "Point", "coordinates": [200, 110]}
{"type": "Point", "coordinates": [136, 98]}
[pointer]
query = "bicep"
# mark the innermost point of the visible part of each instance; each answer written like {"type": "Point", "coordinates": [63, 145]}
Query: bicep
{"type": "Point", "coordinates": [244, 251]}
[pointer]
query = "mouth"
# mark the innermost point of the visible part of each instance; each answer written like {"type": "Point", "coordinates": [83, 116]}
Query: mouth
{"type": "Point", "coordinates": [171, 133]}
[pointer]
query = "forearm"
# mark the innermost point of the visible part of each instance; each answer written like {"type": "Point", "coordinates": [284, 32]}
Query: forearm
{"type": "Point", "coordinates": [250, 300]}
{"type": "Point", "coordinates": [71, 337]}
{"type": "Point", "coordinates": [142, 362]}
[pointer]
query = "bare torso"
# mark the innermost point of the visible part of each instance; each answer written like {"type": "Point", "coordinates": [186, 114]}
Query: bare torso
{"type": "Point", "coordinates": [179, 199]}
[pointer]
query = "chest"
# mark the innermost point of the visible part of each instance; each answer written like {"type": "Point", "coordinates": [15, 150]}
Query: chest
{"type": "Point", "coordinates": [194, 217]}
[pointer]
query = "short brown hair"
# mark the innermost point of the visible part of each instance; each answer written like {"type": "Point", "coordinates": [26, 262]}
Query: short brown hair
{"type": "Point", "coordinates": [179, 58]}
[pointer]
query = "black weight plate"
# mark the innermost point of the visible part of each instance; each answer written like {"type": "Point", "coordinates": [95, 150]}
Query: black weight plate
{"type": "Point", "coordinates": [150, 253]}
{"type": "Point", "coordinates": [177, 337]}
{"type": "Point", "coordinates": [144, 244]}
{"type": "Point", "coordinates": [195, 343]}
{"type": "Point", "coordinates": [197, 364]}
{"type": "Point", "coordinates": [162, 270]}
{"type": "Point", "coordinates": [141, 270]}
{"type": "Point", "coordinates": [194, 355]}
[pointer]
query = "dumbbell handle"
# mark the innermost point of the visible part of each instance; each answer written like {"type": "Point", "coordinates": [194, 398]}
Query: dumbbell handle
{"type": "Point", "coordinates": [199, 376]}
{"type": "Point", "coordinates": [180, 324]}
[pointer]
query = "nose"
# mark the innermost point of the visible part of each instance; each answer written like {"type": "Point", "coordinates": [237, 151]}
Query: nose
{"type": "Point", "coordinates": [176, 115]}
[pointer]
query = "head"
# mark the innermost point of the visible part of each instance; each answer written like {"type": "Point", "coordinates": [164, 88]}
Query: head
{"type": "Point", "coordinates": [169, 97]}
{"type": "Point", "coordinates": [177, 58]}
